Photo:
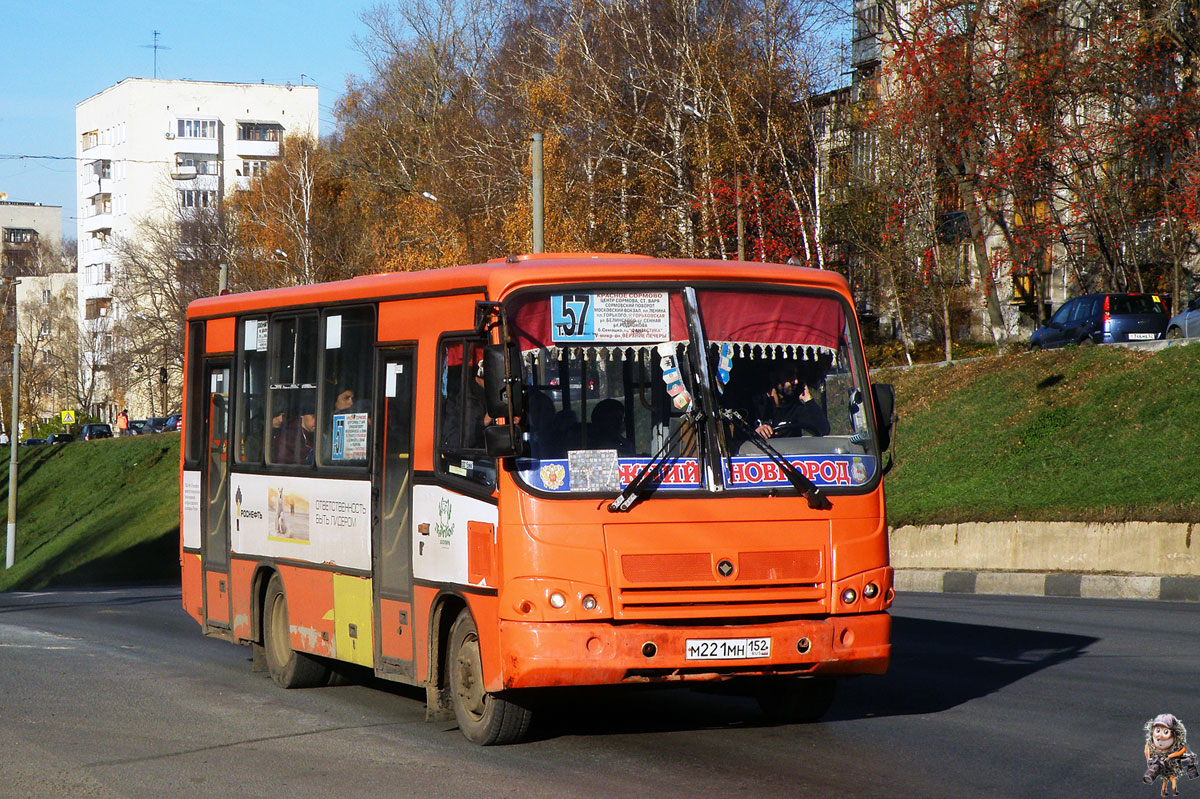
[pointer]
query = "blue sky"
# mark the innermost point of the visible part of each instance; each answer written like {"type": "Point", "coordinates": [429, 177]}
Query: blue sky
{"type": "Point", "coordinates": [53, 54]}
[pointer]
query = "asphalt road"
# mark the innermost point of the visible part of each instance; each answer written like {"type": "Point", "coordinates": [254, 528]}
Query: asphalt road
{"type": "Point", "coordinates": [116, 694]}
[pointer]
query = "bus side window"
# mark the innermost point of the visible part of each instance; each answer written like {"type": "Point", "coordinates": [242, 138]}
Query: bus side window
{"type": "Point", "coordinates": [252, 387]}
{"type": "Point", "coordinates": [462, 412]}
{"type": "Point", "coordinates": [346, 386]}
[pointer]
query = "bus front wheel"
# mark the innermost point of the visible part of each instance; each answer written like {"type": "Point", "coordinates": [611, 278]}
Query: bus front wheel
{"type": "Point", "coordinates": [484, 718]}
{"type": "Point", "coordinates": [288, 668]}
{"type": "Point", "coordinates": [792, 700]}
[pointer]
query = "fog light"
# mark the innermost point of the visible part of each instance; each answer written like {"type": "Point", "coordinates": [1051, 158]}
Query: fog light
{"type": "Point", "coordinates": [557, 600]}
{"type": "Point", "coordinates": [803, 645]}
{"type": "Point", "coordinates": [589, 602]}
{"type": "Point", "coordinates": [870, 590]}
{"type": "Point", "coordinates": [649, 649]}
{"type": "Point", "coordinates": [849, 596]}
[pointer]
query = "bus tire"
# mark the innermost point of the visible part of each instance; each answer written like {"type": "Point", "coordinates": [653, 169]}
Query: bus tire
{"type": "Point", "coordinates": [484, 718]}
{"type": "Point", "coordinates": [795, 700]}
{"type": "Point", "coordinates": [288, 668]}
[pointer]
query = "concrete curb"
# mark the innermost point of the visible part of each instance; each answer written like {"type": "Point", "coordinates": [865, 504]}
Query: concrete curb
{"type": "Point", "coordinates": [1091, 586]}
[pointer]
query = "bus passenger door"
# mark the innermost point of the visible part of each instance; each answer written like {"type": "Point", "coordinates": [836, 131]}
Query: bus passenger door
{"type": "Point", "coordinates": [214, 546]}
{"type": "Point", "coordinates": [392, 528]}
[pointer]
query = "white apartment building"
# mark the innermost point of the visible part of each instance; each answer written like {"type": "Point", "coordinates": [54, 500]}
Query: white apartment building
{"type": "Point", "coordinates": [146, 148]}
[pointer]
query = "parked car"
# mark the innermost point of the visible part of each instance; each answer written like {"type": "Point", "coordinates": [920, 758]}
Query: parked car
{"type": "Point", "coordinates": [33, 442]}
{"type": "Point", "coordinates": [156, 424]}
{"type": "Point", "coordinates": [1103, 319]}
{"type": "Point", "coordinates": [60, 438]}
{"type": "Point", "coordinates": [91, 432]}
{"type": "Point", "coordinates": [138, 427]}
{"type": "Point", "coordinates": [1187, 323]}
{"type": "Point", "coordinates": [174, 422]}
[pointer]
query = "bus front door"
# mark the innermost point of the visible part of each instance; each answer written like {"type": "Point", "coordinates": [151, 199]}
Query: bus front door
{"type": "Point", "coordinates": [392, 528]}
{"type": "Point", "coordinates": [214, 546]}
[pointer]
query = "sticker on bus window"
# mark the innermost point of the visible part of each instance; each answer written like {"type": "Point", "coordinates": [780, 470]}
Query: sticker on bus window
{"type": "Point", "coordinates": [823, 470]}
{"type": "Point", "coordinates": [560, 476]}
{"type": "Point", "coordinates": [393, 370]}
{"type": "Point", "coordinates": [626, 316]}
{"type": "Point", "coordinates": [333, 332]}
{"type": "Point", "coordinates": [255, 335]}
{"type": "Point", "coordinates": [349, 436]}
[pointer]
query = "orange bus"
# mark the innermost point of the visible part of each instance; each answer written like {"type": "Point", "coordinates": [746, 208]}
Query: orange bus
{"type": "Point", "coordinates": [547, 470]}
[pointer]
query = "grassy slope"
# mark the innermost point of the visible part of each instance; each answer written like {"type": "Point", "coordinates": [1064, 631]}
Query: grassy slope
{"type": "Point", "coordinates": [1093, 434]}
{"type": "Point", "coordinates": [95, 511]}
{"type": "Point", "coordinates": [1098, 434]}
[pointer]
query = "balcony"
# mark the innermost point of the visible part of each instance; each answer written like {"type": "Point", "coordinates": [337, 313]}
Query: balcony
{"type": "Point", "coordinates": [256, 149]}
{"type": "Point", "coordinates": [184, 144]}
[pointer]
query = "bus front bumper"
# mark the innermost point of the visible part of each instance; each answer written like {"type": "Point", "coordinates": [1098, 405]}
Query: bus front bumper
{"type": "Point", "coordinates": [540, 654]}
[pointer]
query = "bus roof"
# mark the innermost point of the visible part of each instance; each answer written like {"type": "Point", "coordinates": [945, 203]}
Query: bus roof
{"type": "Point", "coordinates": [500, 277]}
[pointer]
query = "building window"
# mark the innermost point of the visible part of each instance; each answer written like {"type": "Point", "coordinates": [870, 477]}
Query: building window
{"type": "Point", "coordinates": [90, 139]}
{"type": "Point", "coordinates": [96, 308]}
{"type": "Point", "coordinates": [102, 169]}
{"type": "Point", "coordinates": [197, 198]}
{"type": "Point", "coordinates": [254, 169]}
{"type": "Point", "coordinates": [44, 331]}
{"type": "Point", "coordinates": [204, 164]}
{"type": "Point", "coordinates": [259, 131]}
{"type": "Point", "coordinates": [46, 295]}
{"type": "Point", "coordinates": [19, 235]}
{"type": "Point", "coordinates": [196, 128]}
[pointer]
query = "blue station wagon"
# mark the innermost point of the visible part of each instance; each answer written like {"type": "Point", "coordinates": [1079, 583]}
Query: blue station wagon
{"type": "Point", "coordinates": [1103, 319]}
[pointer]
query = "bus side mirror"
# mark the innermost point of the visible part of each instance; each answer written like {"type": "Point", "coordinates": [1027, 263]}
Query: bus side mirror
{"type": "Point", "coordinates": [502, 389]}
{"type": "Point", "coordinates": [504, 440]}
{"type": "Point", "coordinates": [884, 395]}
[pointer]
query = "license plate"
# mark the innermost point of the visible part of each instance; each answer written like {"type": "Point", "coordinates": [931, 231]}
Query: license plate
{"type": "Point", "coordinates": [1142, 336]}
{"type": "Point", "coordinates": [727, 648]}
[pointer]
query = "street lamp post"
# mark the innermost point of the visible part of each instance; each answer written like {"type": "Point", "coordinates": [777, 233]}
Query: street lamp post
{"type": "Point", "coordinates": [10, 549]}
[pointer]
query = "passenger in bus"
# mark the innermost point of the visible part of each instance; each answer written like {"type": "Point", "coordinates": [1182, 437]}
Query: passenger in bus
{"type": "Point", "coordinates": [475, 414]}
{"type": "Point", "coordinates": [541, 420]}
{"type": "Point", "coordinates": [788, 409]}
{"type": "Point", "coordinates": [293, 442]}
{"type": "Point", "coordinates": [607, 430]}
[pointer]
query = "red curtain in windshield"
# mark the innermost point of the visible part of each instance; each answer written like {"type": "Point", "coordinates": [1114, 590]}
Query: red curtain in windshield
{"type": "Point", "coordinates": [772, 319]}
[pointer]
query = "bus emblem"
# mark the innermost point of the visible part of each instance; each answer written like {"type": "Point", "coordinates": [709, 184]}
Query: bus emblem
{"type": "Point", "coordinates": [444, 527]}
{"type": "Point", "coordinates": [725, 568]}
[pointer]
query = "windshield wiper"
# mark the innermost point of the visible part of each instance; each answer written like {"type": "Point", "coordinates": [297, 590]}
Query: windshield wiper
{"type": "Point", "coordinates": [816, 499]}
{"type": "Point", "coordinates": [648, 476]}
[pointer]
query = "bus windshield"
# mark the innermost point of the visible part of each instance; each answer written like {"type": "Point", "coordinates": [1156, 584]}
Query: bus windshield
{"type": "Point", "coordinates": [712, 380]}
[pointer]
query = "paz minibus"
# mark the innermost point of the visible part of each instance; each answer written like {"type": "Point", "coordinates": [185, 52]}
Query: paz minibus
{"type": "Point", "coordinates": [547, 470]}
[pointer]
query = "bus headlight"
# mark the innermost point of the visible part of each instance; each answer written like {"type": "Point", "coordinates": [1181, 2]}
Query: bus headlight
{"type": "Point", "coordinates": [870, 590]}
{"type": "Point", "coordinates": [849, 596]}
{"type": "Point", "coordinates": [557, 600]}
{"type": "Point", "coordinates": [589, 602]}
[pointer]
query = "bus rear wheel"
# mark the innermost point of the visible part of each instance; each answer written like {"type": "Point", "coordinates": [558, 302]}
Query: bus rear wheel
{"type": "Point", "coordinates": [795, 700]}
{"type": "Point", "coordinates": [288, 668]}
{"type": "Point", "coordinates": [485, 718]}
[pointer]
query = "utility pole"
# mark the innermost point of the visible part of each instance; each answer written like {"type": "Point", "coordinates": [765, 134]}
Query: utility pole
{"type": "Point", "coordinates": [10, 551]}
{"type": "Point", "coordinates": [539, 198]}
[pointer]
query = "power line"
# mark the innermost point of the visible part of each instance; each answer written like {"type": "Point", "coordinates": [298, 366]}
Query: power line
{"type": "Point", "coordinates": [25, 156]}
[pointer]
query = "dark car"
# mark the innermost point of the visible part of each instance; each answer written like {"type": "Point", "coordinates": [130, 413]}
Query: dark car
{"type": "Point", "coordinates": [155, 424]}
{"type": "Point", "coordinates": [60, 438]}
{"type": "Point", "coordinates": [139, 427]}
{"type": "Point", "coordinates": [174, 422]}
{"type": "Point", "coordinates": [1103, 319]}
{"type": "Point", "coordinates": [33, 442]}
{"type": "Point", "coordinates": [91, 432]}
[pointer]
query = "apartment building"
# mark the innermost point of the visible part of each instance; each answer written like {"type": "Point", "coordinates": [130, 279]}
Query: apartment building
{"type": "Point", "coordinates": [155, 151]}
{"type": "Point", "coordinates": [48, 333]}
{"type": "Point", "coordinates": [25, 229]}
